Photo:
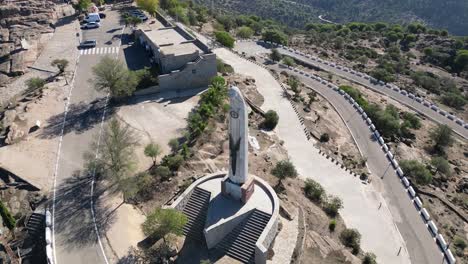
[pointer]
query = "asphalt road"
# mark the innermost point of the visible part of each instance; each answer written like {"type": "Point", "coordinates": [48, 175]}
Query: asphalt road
{"type": "Point", "coordinates": [412, 103]}
{"type": "Point", "coordinates": [252, 47]}
{"type": "Point", "coordinates": [420, 244]}
{"type": "Point", "coordinates": [75, 238]}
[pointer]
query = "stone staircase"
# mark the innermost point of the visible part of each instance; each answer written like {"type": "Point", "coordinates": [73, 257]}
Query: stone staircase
{"type": "Point", "coordinates": [36, 224]}
{"type": "Point", "coordinates": [240, 242]}
{"type": "Point", "coordinates": [196, 210]}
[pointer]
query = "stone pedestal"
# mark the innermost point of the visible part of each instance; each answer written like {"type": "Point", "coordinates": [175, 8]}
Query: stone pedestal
{"type": "Point", "coordinates": [236, 191]}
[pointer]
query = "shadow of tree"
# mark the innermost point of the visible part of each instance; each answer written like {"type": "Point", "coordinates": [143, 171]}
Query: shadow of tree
{"type": "Point", "coordinates": [73, 219]}
{"type": "Point", "coordinates": [80, 118]}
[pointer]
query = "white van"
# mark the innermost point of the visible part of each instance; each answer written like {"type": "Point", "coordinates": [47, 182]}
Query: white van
{"type": "Point", "coordinates": [92, 17]}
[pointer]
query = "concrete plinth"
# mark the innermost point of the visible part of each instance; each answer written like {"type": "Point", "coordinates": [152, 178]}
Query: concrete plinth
{"type": "Point", "coordinates": [237, 192]}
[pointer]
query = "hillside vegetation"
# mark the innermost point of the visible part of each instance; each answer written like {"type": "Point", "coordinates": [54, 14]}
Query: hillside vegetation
{"type": "Point", "coordinates": [450, 15]}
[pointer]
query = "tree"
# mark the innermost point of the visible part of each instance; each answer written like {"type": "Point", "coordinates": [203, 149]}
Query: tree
{"type": "Point", "coordinates": [288, 61]}
{"type": "Point", "coordinates": [245, 32]}
{"type": "Point", "coordinates": [83, 4]}
{"type": "Point", "coordinates": [271, 120]}
{"type": "Point", "coordinates": [35, 83]}
{"type": "Point", "coordinates": [275, 36]}
{"type": "Point", "coordinates": [152, 150]}
{"type": "Point", "coordinates": [225, 39]}
{"type": "Point", "coordinates": [461, 60]}
{"type": "Point", "coordinates": [275, 55]}
{"type": "Point", "coordinates": [162, 222]}
{"type": "Point", "coordinates": [173, 162]}
{"type": "Point", "coordinates": [112, 75]}
{"type": "Point", "coordinates": [284, 169]}
{"type": "Point", "coordinates": [192, 17]}
{"type": "Point", "coordinates": [441, 137]}
{"type": "Point", "coordinates": [417, 171]}
{"type": "Point", "coordinates": [441, 165]}
{"type": "Point", "coordinates": [131, 20]}
{"type": "Point", "coordinates": [61, 64]}
{"type": "Point", "coordinates": [369, 258]}
{"type": "Point", "coordinates": [314, 191]}
{"type": "Point", "coordinates": [8, 219]}
{"type": "Point", "coordinates": [454, 100]}
{"type": "Point", "coordinates": [116, 157]}
{"type": "Point", "coordinates": [324, 137]}
{"type": "Point", "coordinates": [150, 6]}
{"type": "Point", "coordinates": [351, 238]}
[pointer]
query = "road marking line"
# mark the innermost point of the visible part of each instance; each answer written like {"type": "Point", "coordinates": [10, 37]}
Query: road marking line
{"type": "Point", "coordinates": [94, 172]}
{"type": "Point", "coordinates": [98, 51]}
{"type": "Point", "coordinates": [81, 52]}
{"type": "Point", "coordinates": [59, 148]}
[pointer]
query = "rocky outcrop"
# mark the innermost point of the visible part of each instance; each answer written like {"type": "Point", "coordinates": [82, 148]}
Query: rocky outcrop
{"type": "Point", "coordinates": [22, 27]}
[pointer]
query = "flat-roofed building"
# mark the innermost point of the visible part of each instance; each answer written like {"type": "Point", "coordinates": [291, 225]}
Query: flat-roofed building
{"type": "Point", "coordinates": [183, 60]}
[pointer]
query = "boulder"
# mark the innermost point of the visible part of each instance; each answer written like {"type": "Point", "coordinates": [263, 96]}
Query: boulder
{"type": "Point", "coordinates": [15, 134]}
{"type": "Point", "coordinates": [169, 248]}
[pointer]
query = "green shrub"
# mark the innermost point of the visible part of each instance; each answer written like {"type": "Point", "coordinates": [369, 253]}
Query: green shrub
{"type": "Point", "coordinates": [417, 171]}
{"type": "Point", "coordinates": [223, 67]}
{"type": "Point", "coordinates": [332, 225]}
{"type": "Point", "coordinates": [453, 100]}
{"type": "Point", "coordinates": [412, 119]}
{"type": "Point", "coordinates": [288, 61]}
{"type": "Point", "coordinates": [162, 172]}
{"type": "Point", "coordinates": [355, 94]}
{"type": "Point", "coordinates": [173, 162]}
{"type": "Point", "coordinates": [8, 219]}
{"type": "Point", "coordinates": [324, 137]}
{"type": "Point", "coordinates": [35, 83]}
{"type": "Point", "coordinates": [275, 55]}
{"type": "Point", "coordinates": [275, 36]}
{"type": "Point", "coordinates": [314, 191]}
{"type": "Point", "coordinates": [351, 238]}
{"type": "Point", "coordinates": [271, 120]}
{"type": "Point", "coordinates": [369, 258]}
{"type": "Point", "coordinates": [441, 165]}
{"type": "Point", "coordinates": [332, 205]}
{"type": "Point", "coordinates": [245, 32]}
{"type": "Point", "coordinates": [225, 39]}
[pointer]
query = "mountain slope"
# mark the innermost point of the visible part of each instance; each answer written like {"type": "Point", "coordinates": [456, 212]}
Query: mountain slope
{"type": "Point", "coordinates": [450, 15]}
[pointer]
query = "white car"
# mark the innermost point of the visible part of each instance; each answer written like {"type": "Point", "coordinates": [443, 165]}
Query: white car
{"type": "Point", "coordinates": [91, 25]}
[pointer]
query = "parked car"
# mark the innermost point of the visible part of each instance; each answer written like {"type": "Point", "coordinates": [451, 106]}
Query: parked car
{"type": "Point", "coordinates": [88, 44]}
{"type": "Point", "coordinates": [102, 15]}
{"type": "Point", "coordinates": [91, 25]}
{"type": "Point", "coordinates": [92, 17]}
{"type": "Point", "coordinates": [142, 17]}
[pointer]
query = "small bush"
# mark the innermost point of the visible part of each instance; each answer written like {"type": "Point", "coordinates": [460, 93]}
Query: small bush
{"type": "Point", "coordinates": [225, 39]}
{"type": "Point", "coordinates": [275, 55]}
{"type": "Point", "coordinates": [223, 67]}
{"type": "Point", "coordinates": [369, 258]}
{"type": "Point", "coordinates": [174, 145]}
{"type": "Point", "coordinates": [8, 219]}
{"type": "Point", "coordinates": [271, 120]}
{"type": "Point", "coordinates": [324, 137]}
{"type": "Point", "coordinates": [173, 162]}
{"type": "Point", "coordinates": [332, 205]}
{"type": "Point", "coordinates": [35, 83]}
{"type": "Point", "coordinates": [441, 165]}
{"type": "Point", "coordinates": [289, 61]}
{"type": "Point", "coordinates": [351, 238]}
{"type": "Point", "coordinates": [332, 225]}
{"type": "Point", "coordinates": [163, 172]}
{"type": "Point", "coordinates": [314, 191]}
{"type": "Point", "coordinates": [417, 171]}
{"type": "Point", "coordinates": [245, 32]}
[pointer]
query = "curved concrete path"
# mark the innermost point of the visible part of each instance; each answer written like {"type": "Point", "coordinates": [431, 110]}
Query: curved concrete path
{"type": "Point", "coordinates": [361, 202]}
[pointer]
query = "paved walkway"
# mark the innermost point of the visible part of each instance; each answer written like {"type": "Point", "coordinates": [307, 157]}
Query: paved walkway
{"type": "Point", "coordinates": [285, 241]}
{"type": "Point", "coordinates": [361, 202]}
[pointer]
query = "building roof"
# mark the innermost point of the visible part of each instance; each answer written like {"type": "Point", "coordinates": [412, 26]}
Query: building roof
{"type": "Point", "coordinates": [170, 41]}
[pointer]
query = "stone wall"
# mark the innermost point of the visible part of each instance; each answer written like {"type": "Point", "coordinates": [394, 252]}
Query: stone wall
{"type": "Point", "coordinates": [193, 75]}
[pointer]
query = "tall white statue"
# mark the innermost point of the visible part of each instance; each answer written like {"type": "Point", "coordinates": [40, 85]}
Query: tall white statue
{"type": "Point", "coordinates": [238, 136]}
{"type": "Point", "coordinates": [237, 184]}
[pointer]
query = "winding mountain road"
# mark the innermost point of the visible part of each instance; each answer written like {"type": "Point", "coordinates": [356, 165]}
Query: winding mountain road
{"type": "Point", "coordinates": [419, 105]}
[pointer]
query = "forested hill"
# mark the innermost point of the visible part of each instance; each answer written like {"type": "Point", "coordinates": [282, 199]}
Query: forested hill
{"type": "Point", "coordinates": [444, 14]}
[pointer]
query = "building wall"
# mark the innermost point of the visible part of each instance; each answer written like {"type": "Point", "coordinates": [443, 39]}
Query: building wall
{"type": "Point", "coordinates": [171, 62]}
{"type": "Point", "coordinates": [193, 75]}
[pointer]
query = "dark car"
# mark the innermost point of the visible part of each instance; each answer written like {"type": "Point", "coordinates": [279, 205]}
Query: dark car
{"type": "Point", "coordinates": [102, 15]}
{"type": "Point", "coordinates": [88, 44]}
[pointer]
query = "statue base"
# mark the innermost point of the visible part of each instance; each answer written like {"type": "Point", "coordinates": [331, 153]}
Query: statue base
{"type": "Point", "coordinates": [238, 192]}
